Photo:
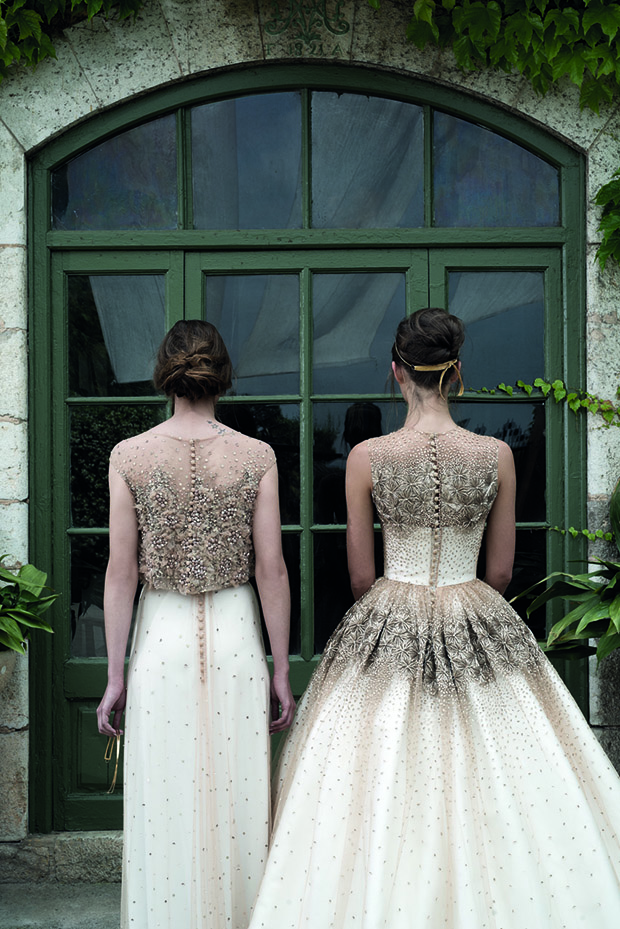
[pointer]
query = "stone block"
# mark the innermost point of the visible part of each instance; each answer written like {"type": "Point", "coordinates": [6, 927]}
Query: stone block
{"type": "Point", "coordinates": [88, 857]}
{"type": "Point", "coordinates": [602, 327]}
{"type": "Point", "coordinates": [14, 780]}
{"type": "Point", "coordinates": [605, 691]}
{"type": "Point", "coordinates": [14, 461]}
{"type": "Point", "coordinates": [13, 174]}
{"type": "Point", "coordinates": [558, 111]}
{"type": "Point", "coordinates": [13, 271]}
{"type": "Point", "coordinates": [14, 530]}
{"type": "Point", "coordinates": [603, 457]}
{"type": "Point", "coordinates": [380, 38]}
{"type": "Point", "coordinates": [610, 740]}
{"type": "Point", "coordinates": [13, 690]}
{"type": "Point", "coordinates": [603, 161]}
{"type": "Point", "coordinates": [38, 104]}
{"type": "Point", "coordinates": [121, 58]}
{"type": "Point", "coordinates": [28, 861]}
{"type": "Point", "coordinates": [13, 374]}
{"type": "Point", "coordinates": [208, 33]}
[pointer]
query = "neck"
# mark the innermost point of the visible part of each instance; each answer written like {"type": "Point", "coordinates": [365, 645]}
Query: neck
{"type": "Point", "coordinates": [186, 410]}
{"type": "Point", "coordinates": [427, 410]}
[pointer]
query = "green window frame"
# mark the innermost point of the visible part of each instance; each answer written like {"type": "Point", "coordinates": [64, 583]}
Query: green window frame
{"type": "Point", "coordinates": [68, 794]}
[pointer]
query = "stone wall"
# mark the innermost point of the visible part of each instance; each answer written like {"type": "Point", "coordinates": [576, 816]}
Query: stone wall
{"type": "Point", "coordinates": [102, 63]}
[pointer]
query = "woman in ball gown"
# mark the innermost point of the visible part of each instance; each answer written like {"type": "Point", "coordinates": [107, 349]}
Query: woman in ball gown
{"type": "Point", "coordinates": [438, 774]}
{"type": "Point", "coordinates": [193, 514]}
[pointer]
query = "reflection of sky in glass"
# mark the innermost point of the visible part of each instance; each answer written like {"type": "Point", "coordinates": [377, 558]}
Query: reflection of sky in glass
{"type": "Point", "coordinates": [246, 163]}
{"type": "Point", "coordinates": [367, 162]}
{"type": "Point", "coordinates": [126, 182]}
{"type": "Point", "coordinates": [504, 325]}
{"type": "Point", "coordinates": [258, 318]}
{"type": "Point", "coordinates": [355, 317]}
{"type": "Point", "coordinates": [483, 179]}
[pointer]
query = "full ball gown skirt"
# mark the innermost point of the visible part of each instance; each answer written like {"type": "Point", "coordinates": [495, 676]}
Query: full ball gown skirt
{"type": "Point", "coordinates": [196, 762]}
{"type": "Point", "coordinates": [438, 774]}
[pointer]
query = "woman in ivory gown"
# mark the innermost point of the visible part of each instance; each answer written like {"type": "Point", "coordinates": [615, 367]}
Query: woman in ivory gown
{"type": "Point", "coordinates": [193, 507]}
{"type": "Point", "coordinates": [438, 774]}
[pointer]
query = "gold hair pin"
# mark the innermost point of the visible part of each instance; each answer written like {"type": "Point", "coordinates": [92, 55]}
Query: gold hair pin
{"type": "Point", "coordinates": [443, 367]}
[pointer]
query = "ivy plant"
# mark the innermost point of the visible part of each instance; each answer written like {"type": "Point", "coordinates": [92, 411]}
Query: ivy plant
{"type": "Point", "coordinates": [28, 27]}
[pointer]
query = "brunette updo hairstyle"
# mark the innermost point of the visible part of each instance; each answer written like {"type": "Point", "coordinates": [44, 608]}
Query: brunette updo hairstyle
{"type": "Point", "coordinates": [428, 337]}
{"type": "Point", "coordinates": [193, 361]}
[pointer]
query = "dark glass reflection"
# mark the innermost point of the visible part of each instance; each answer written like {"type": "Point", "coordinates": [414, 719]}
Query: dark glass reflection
{"type": "Point", "coordinates": [503, 312]}
{"type": "Point", "coordinates": [367, 162]}
{"type": "Point", "coordinates": [337, 428]}
{"type": "Point", "coordinates": [127, 182]}
{"type": "Point", "coordinates": [278, 425]}
{"type": "Point", "coordinates": [290, 549]}
{"type": "Point", "coordinates": [89, 559]}
{"type": "Point", "coordinates": [530, 566]}
{"type": "Point", "coordinates": [112, 348]}
{"type": "Point", "coordinates": [354, 319]}
{"type": "Point", "coordinates": [95, 430]}
{"type": "Point", "coordinates": [258, 317]}
{"type": "Point", "coordinates": [522, 426]}
{"type": "Point", "coordinates": [246, 163]}
{"type": "Point", "coordinates": [332, 588]}
{"type": "Point", "coordinates": [483, 179]}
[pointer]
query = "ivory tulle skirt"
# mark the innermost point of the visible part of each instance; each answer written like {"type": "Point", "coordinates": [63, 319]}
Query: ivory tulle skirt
{"type": "Point", "coordinates": [440, 776]}
{"type": "Point", "coordinates": [196, 762]}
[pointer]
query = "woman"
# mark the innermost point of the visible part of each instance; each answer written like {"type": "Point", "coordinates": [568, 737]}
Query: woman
{"type": "Point", "coordinates": [438, 774]}
{"type": "Point", "coordinates": [193, 505]}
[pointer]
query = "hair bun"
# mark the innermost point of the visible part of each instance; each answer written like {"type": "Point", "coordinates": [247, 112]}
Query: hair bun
{"type": "Point", "coordinates": [193, 361]}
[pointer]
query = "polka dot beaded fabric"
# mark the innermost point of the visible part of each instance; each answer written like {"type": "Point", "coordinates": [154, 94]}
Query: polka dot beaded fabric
{"type": "Point", "coordinates": [438, 774]}
{"type": "Point", "coordinates": [196, 787]}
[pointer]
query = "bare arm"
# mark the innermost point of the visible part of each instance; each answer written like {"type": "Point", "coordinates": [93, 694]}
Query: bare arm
{"type": "Point", "coordinates": [121, 581]}
{"type": "Point", "coordinates": [500, 537]}
{"type": "Point", "coordinates": [360, 521]}
{"type": "Point", "coordinates": [273, 588]}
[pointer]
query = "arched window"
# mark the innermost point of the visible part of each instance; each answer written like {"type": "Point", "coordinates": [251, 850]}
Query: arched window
{"type": "Point", "coordinates": [304, 216]}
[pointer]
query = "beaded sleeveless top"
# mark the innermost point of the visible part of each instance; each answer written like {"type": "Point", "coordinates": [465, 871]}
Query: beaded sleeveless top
{"type": "Point", "coordinates": [433, 493]}
{"type": "Point", "coordinates": [194, 503]}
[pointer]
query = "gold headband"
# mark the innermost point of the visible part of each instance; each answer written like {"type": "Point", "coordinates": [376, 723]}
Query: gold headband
{"type": "Point", "coordinates": [443, 367]}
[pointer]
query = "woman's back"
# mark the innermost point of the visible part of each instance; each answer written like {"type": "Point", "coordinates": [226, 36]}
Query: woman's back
{"type": "Point", "coordinates": [433, 493]}
{"type": "Point", "coordinates": [194, 502]}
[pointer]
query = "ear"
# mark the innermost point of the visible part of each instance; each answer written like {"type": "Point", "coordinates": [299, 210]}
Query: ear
{"type": "Point", "coordinates": [398, 373]}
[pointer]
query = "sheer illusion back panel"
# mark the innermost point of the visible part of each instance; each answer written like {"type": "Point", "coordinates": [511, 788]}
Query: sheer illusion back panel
{"type": "Point", "coordinates": [194, 502]}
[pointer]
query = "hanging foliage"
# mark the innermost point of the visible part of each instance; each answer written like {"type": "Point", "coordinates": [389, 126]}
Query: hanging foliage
{"type": "Point", "coordinates": [28, 27]}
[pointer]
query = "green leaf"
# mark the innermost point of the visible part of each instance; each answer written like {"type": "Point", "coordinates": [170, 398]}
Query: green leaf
{"type": "Point", "coordinates": [375, 4]}
{"type": "Point", "coordinates": [506, 388]}
{"type": "Point", "coordinates": [8, 641]}
{"type": "Point", "coordinates": [8, 624]}
{"type": "Point", "coordinates": [528, 388]}
{"type": "Point", "coordinates": [28, 619]}
{"type": "Point", "coordinates": [544, 386]}
{"type": "Point", "coordinates": [595, 614]}
{"type": "Point", "coordinates": [607, 644]}
{"type": "Point", "coordinates": [606, 15]}
{"type": "Point", "coordinates": [614, 612]}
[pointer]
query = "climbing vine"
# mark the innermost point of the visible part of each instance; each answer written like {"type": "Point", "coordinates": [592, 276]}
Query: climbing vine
{"type": "Point", "coordinates": [28, 27]}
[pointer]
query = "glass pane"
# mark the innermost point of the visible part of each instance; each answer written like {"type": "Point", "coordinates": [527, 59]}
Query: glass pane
{"type": "Point", "coordinates": [258, 318]}
{"type": "Point", "coordinates": [116, 323]}
{"type": "Point", "coordinates": [530, 566]}
{"type": "Point", "coordinates": [246, 163]}
{"type": "Point", "coordinates": [522, 426]}
{"type": "Point", "coordinates": [367, 162]}
{"type": "Point", "coordinates": [278, 425]}
{"type": "Point", "coordinates": [332, 588]}
{"type": "Point", "coordinates": [290, 549]}
{"type": "Point", "coordinates": [483, 179]}
{"type": "Point", "coordinates": [89, 559]}
{"type": "Point", "coordinates": [355, 317]}
{"type": "Point", "coordinates": [503, 312]}
{"type": "Point", "coordinates": [95, 430]}
{"type": "Point", "coordinates": [127, 182]}
{"type": "Point", "coordinates": [337, 428]}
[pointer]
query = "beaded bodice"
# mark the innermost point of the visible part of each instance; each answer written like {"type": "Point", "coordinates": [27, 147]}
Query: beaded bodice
{"type": "Point", "coordinates": [194, 503]}
{"type": "Point", "coordinates": [433, 493]}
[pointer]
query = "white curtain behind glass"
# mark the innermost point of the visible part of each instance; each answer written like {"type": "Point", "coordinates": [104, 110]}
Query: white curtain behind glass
{"type": "Point", "coordinates": [132, 315]}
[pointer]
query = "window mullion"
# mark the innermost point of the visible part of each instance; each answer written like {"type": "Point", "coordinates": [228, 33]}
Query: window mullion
{"type": "Point", "coordinates": [306, 465]}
